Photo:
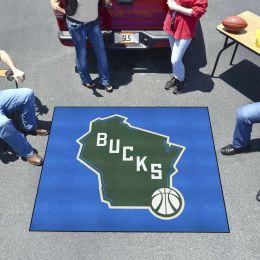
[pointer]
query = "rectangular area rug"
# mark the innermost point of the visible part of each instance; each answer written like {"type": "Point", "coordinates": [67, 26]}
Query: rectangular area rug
{"type": "Point", "coordinates": [142, 169]}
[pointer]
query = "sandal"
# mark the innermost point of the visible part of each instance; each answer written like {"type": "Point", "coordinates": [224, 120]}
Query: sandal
{"type": "Point", "coordinates": [89, 85]}
{"type": "Point", "coordinates": [109, 88]}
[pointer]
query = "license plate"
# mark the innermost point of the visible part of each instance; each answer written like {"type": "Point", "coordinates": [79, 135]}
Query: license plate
{"type": "Point", "coordinates": [126, 37]}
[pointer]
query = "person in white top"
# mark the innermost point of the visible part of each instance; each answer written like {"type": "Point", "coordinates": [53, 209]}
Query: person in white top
{"type": "Point", "coordinates": [87, 11]}
{"type": "Point", "coordinates": [83, 25]}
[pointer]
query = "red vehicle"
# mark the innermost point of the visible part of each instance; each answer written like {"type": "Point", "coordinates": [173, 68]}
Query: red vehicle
{"type": "Point", "coordinates": [134, 24]}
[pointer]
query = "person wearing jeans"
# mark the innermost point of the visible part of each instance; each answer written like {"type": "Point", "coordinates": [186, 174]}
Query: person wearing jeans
{"type": "Point", "coordinates": [19, 104]}
{"type": "Point", "coordinates": [246, 116]}
{"type": "Point", "coordinates": [178, 47]}
{"type": "Point", "coordinates": [83, 26]}
{"type": "Point", "coordinates": [180, 24]}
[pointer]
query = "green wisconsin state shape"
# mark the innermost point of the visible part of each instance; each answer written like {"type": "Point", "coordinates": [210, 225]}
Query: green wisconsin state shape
{"type": "Point", "coordinates": [121, 184]}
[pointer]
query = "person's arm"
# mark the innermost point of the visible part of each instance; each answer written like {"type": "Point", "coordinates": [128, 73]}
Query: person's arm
{"type": "Point", "coordinates": [180, 9]}
{"type": "Point", "coordinates": [18, 75]}
{"type": "Point", "coordinates": [55, 5]}
{"type": "Point", "coordinates": [199, 8]}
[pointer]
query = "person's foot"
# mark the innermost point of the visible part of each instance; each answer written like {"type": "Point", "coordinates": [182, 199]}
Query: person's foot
{"type": "Point", "coordinates": [40, 132]}
{"type": "Point", "coordinates": [34, 159]}
{"type": "Point", "coordinates": [108, 88]}
{"type": "Point", "coordinates": [170, 84]}
{"type": "Point", "coordinates": [231, 150]}
{"type": "Point", "coordinates": [178, 86]}
{"type": "Point", "coordinates": [89, 85]}
{"type": "Point", "coordinates": [258, 196]}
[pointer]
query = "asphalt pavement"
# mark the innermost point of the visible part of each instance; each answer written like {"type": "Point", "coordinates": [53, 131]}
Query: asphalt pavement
{"type": "Point", "coordinates": [28, 31]}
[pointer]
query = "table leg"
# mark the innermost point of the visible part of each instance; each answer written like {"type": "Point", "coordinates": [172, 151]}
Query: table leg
{"type": "Point", "coordinates": [233, 55]}
{"type": "Point", "coordinates": [226, 45]}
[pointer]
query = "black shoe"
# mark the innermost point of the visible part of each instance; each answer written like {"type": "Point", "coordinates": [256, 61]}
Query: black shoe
{"type": "Point", "coordinates": [230, 150]}
{"type": "Point", "coordinates": [108, 88]}
{"type": "Point", "coordinates": [178, 86]}
{"type": "Point", "coordinates": [89, 85]}
{"type": "Point", "coordinates": [258, 196]}
{"type": "Point", "coordinates": [170, 84]}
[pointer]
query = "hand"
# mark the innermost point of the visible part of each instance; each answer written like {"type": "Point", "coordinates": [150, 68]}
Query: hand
{"type": "Point", "coordinates": [57, 9]}
{"type": "Point", "coordinates": [172, 5]}
{"type": "Point", "coordinates": [18, 75]}
{"type": "Point", "coordinates": [108, 3]}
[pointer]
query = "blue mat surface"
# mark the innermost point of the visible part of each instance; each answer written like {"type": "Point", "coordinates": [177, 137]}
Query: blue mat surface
{"type": "Point", "coordinates": [130, 169]}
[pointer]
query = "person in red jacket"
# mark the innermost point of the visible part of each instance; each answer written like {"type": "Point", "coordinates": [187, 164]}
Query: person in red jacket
{"type": "Point", "coordinates": [180, 24]}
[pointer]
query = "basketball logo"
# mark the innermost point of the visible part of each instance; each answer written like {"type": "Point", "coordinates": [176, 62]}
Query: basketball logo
{"type": "Point", "coordinates": [114, 150]}
{"type": "Point", "coordinates": [167, 203]}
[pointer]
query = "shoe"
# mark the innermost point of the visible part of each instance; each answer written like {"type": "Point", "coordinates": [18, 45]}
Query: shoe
{"type": "Point", "coordinates": [230, 150]}
{"type": "Point", "coordinates": [258, 196]}
{"type": "Point", "coordinates": [34, 159]}
{"type": "Point", "coordinates": [108, 88]}
{"type": "Point", "coordinates": [178, 86]}
{"type": "Point", "coordinates": [170, 84]}
{"type": "Point", "coordinates": [89, 85]}
{"type": "Point", "coordinates": [40, 132]}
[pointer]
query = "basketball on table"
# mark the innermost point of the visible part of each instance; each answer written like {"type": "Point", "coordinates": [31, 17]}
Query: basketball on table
{"type": "Point", "coordinates": [234, 23]}
{"type": "Point", "coordinates": [167, 203]}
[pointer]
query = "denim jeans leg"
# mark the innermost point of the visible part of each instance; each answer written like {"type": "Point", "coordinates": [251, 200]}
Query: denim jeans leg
{"type": "Point", "coordinates": [78, 34]}
{"type": "Point", "coordinates": [96, 38]}
{"type": "Point", "coordinates": [21, 104]}
{"type": "Point", "coordinates": [14, 138]}
{"type": "Point", "coordinates": [246, 116]}
{"type": "Point", "coordinates": [179, 47]}
{"type": "Point", "coordinates": [171, 40]}
{"type": "Point", "coordinates": [27, 112]}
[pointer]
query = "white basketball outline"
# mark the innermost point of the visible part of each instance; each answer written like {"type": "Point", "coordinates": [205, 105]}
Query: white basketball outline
{"type": "Point", "coordinates": [175, 170]}
{"type": "Point", "coordinates": [180, 210]}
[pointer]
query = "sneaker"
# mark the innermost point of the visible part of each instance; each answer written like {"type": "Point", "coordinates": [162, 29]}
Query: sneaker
{"type": "Point", "coordinates": [178, 86]}
{"type": "Point", "coordinates": [170, 84]}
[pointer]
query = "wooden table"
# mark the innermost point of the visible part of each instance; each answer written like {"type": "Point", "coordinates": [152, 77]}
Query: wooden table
{"type": "Point", "coordinates": [246, 37]}
{"type": "Point", "coordinates": [3, 72]}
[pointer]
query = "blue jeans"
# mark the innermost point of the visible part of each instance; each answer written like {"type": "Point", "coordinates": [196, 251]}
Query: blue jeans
{"type": "Point", "coordinates": [17, 102]}
{"type": "Point", "coordinates": [80, 33]}
{"type": "Point", "coordinates": [246, 116]}
{"type": "Point", "coordinates": [179, 47]}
